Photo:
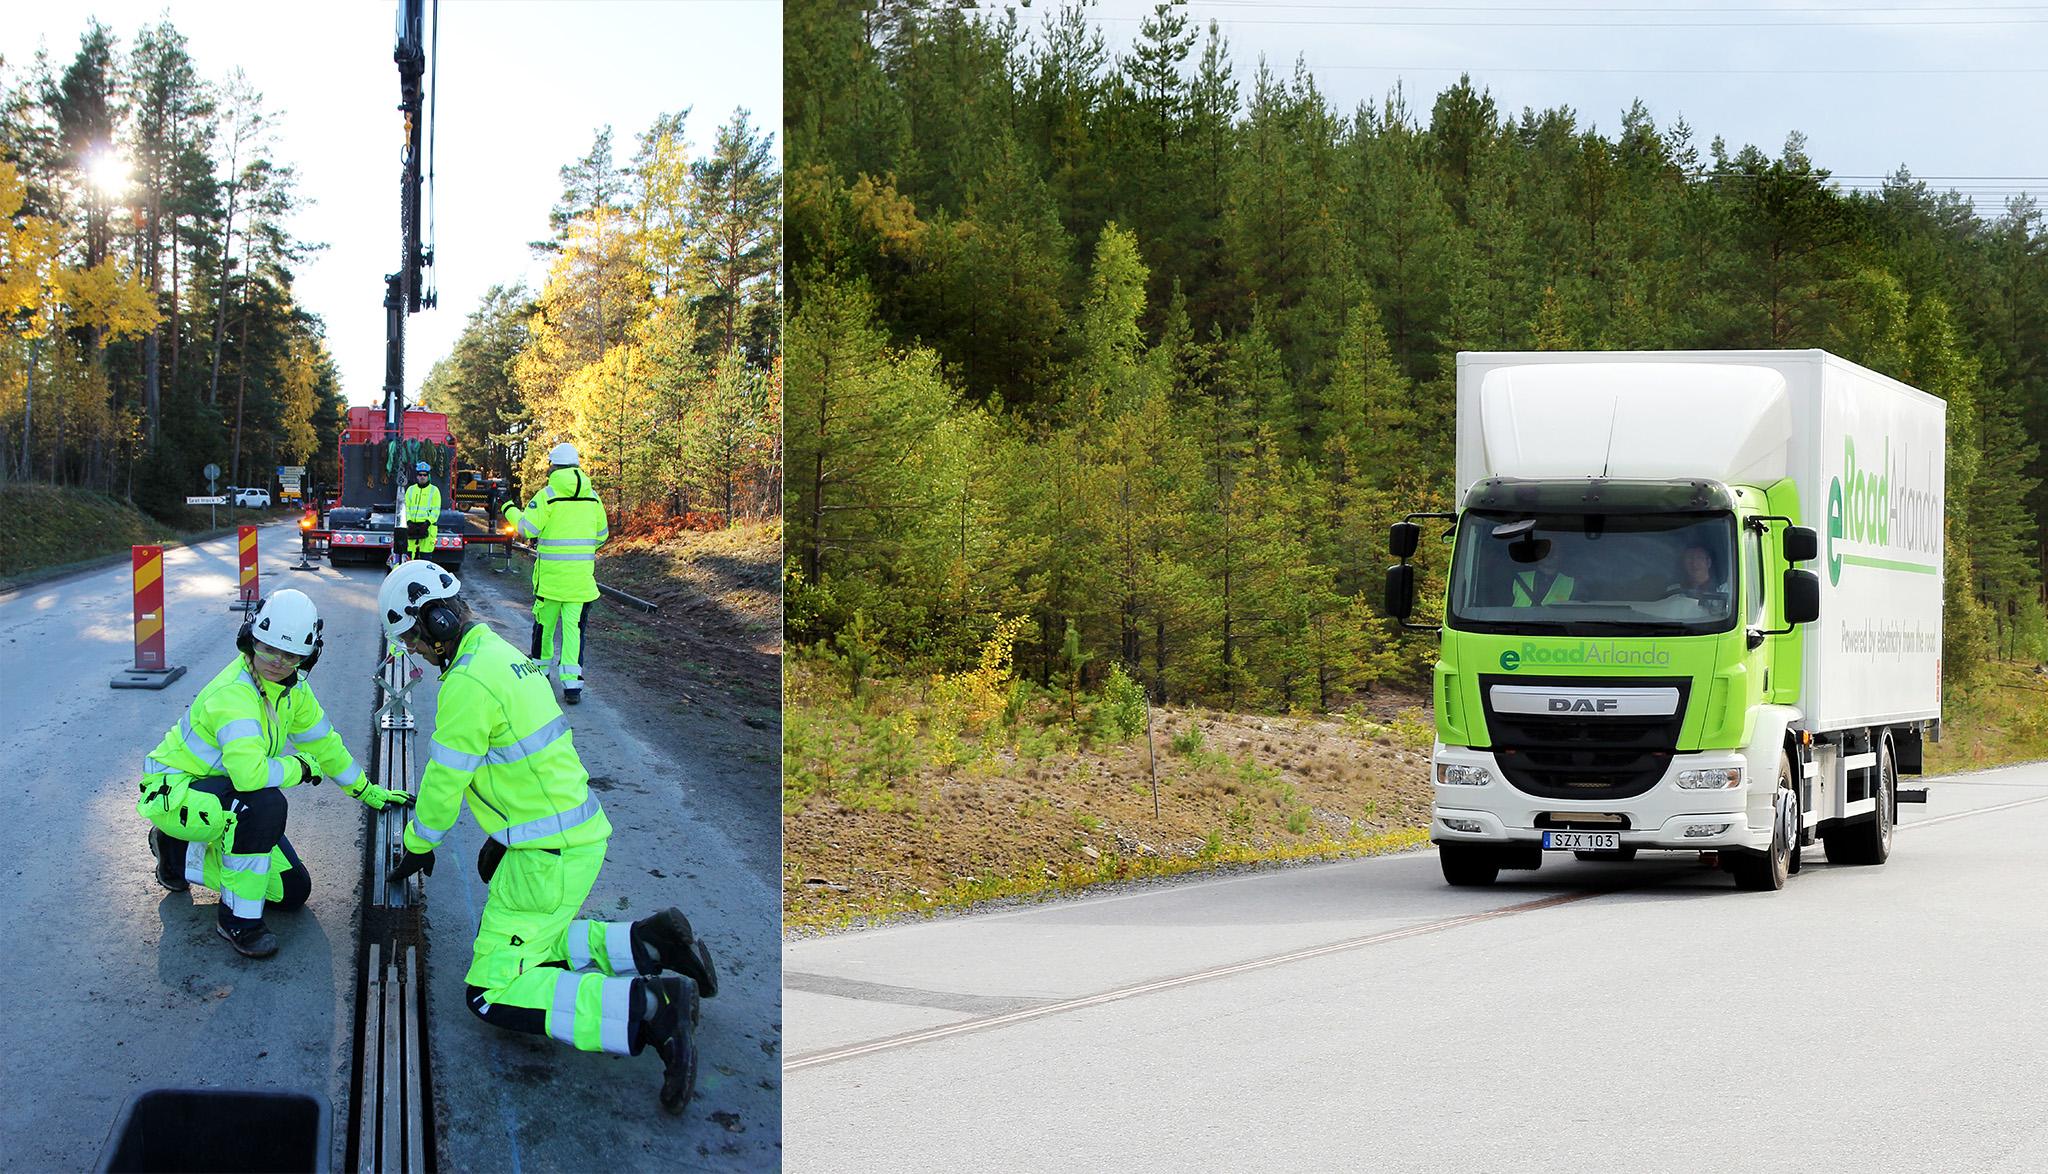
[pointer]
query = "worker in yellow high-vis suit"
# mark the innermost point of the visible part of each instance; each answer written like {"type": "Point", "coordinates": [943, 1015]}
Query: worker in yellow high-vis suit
{"type": "Point", "coordinates": [215, 784]}
{"type": "Point", "coordinates": [500, 742]}
{"type": "Point", "coordinates": [422, 510]}
{"type": "Point", "coordinates": [566, 523]}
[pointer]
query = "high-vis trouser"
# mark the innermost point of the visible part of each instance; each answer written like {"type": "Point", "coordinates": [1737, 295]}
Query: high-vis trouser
{"type": "Point", "coordinates": [571, 616]}
{"type": "Point", "coordinates": [235, 841]}
{"type": "Point", "coordinates": [419, 539]}
{"type": "Point", "coordinates": [540, 969]}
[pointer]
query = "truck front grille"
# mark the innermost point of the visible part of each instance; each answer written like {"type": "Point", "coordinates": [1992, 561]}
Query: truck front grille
{"type": "Point", "coordinates": [1582, 756]}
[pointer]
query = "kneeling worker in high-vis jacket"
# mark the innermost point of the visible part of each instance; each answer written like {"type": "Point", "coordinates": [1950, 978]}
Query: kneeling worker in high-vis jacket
{"type": "Point", "coordinates": [213, 789]}
{"type": "Point", "coordinates": [502, 742]}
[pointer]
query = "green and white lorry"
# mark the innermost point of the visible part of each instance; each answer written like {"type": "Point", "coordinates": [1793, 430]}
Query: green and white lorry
{"type": "Point", "coordinates": [1693, 603]}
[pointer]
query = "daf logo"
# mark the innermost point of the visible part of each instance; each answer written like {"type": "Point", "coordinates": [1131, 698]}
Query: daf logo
{"type": "Point", "coordinates": [1607, 701]}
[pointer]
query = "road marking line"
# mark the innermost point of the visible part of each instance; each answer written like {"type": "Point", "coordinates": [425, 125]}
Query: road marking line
{"type": "Point", "coordinates": [1921, 823]}
{"type": "Point", "coordinates": [849, 1052]}
{"type": "Point", "coordinates": [928, 1035]}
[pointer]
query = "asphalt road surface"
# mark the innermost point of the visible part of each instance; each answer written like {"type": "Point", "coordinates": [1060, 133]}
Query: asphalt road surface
{"type": "Point", "coordinates": [1363, 1015]}
{"type": "Point", "coordinates": [120, 986]}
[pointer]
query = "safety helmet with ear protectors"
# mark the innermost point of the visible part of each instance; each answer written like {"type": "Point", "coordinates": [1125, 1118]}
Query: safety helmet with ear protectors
{"type": "Point", "coordinates": [410, 596]}
{"type": "Point", "coordinates": [288, 622]}
{"type": "Point", "coordinates": [423, 467]}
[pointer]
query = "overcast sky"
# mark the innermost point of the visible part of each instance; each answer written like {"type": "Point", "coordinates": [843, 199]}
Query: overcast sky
{"type": "Point", "coordinates": [1946, 89]}
{"type": "Point", "coordinates": [523, 87]}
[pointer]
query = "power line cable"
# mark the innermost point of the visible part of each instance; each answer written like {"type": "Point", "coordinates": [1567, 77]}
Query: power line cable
{"type": "Point", "coordinates": [1737, 25]}
{"type": "Point", "coordinates": [1705, 72]}
{"type": "Point", "coordinates": [1269, 5]}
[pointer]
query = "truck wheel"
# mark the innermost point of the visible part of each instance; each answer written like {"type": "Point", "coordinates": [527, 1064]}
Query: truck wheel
{"type": "Point", "coordinates": [1870, 841]}
{"type": "Point", "coordinates": [1767, 872]}
{"type": "Point", "coordinates": [1468, 865]}
{"type": "Point", "coordinates": [1625, 852]}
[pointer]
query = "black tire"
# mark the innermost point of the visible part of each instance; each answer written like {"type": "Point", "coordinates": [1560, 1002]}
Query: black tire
{"type": "Point", "coordinates": [1624, 853]}
{"type": "Point", "coordinates": [1766, 872]}
{"type": "Point", "coordinates": [1869, 841]}
{"type": "Point", "coordinates": [1468, 865]}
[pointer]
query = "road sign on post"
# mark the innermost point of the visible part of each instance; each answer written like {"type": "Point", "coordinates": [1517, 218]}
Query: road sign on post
{"type": "Point", "coordinates": [212, 474]}
{"type": "Point", "coordinates": [152, 670]}
{"type": "Point", "coordinates": [246, 595]}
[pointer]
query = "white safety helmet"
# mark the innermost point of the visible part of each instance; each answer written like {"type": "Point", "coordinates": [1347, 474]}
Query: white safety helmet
{"type": "Point", "coordinates": [288, 622]}
{"type": "Point", "coordinates": [407, 589]}
{"type": "Point", "coordinates": [563, 454]}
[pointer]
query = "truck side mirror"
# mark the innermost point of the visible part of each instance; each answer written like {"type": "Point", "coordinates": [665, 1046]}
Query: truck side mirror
{"type": "Point", "coordinates": [1401, 588]}
{"type": "Point", "coordinates": [1802, 596]}
{"type": "Point", "coordinates": [1801, 545]}
{"type": "Point", "coordinates": [1402, 539]}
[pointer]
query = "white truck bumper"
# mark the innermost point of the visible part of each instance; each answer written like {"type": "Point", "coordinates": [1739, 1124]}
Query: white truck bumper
{"type": "Point", "coordinates": [1665, 816]}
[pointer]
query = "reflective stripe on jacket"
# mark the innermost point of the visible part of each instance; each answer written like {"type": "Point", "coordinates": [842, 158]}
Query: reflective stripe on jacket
{"type": "Point", "coordinates": [1557, 590]}
{"type": "Point", "coordinates": [252, 737]}
{"type": "Point", "coordinates": [423, 503]}
{"type": "Point", "coordinates": [566, 524]}
{"type": "Point", "coordinates": [500, 739]}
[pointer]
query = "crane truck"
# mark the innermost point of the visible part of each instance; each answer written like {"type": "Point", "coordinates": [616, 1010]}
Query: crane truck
{"type": "Point", "coordinates": [1692, 602]}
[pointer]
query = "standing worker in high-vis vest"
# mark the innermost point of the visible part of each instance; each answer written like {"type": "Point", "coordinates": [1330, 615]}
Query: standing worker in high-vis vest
{"type": "Point", "coordinates": [213, 789]}
{"type": "Point", "coordinates": [422, 514]}
{"type": "Point", "coordinates": [500, 742]}
{"type": "Point", "coordinates": [566, 522]}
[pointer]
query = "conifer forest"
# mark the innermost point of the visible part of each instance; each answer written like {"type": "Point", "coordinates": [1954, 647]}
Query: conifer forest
{"type": "Point", "coordinates": [1150, 356]}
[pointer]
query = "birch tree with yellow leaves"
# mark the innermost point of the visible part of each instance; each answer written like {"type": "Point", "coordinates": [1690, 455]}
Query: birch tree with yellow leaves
{"type": "Point", "coordinates": [147, 325]}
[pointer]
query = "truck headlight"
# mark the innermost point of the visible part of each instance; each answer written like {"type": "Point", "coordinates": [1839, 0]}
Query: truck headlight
{"type": "Point", "coordinates": [1701, 831]}
{"type": "Point", "coordinates": [1462, 776]}
{"type": "Point", "coordinates": [1716, 778]}
{"type": "Point", "coordinates": [1468, 826]}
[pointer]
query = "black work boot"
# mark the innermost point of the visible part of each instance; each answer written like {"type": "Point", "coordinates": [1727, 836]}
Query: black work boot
{"type": "Point", "coordinates": [664, 942]}
{"type": "Point", "coordinates": [665, 1012]}
{"type": "Point", "coordinates": [170, 861]}
{"type": "Point", "coordinates": [248, 935]}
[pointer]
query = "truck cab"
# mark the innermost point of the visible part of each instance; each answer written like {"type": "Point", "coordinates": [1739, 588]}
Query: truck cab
{"type": "Point", "coordinates": [1628, 654]}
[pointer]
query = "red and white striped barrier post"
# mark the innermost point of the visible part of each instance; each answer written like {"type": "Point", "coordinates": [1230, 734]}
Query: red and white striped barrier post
{"type": "Point", "coordinates": [152, 667]}
{"type": "Point", "coordinates": [246, 595]}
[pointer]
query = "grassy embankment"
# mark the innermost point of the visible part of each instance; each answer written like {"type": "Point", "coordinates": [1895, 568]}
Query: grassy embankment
{"type": "Point", "coordinates": [2001, 719]}
{"type": "Point", "coordinates": [715, 645]}
{"type": "Point", "coordinates": [44, 528]}
{"type": "Point", "coordinates": [891, 806]}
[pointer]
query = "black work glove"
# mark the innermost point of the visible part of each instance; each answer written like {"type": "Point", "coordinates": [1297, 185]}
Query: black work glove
{"type": "Point", "coordinates": [413, 862]}
{"type": "Point", "coordinates": [487, 858]}
{"type": "Point", "coordinates": [306, 772]}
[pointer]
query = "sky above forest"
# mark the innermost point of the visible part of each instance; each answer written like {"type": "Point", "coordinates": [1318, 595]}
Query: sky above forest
{"type": "Point", "coordinates": [1946, 89]}
{"type": "Point", "coordinates": [523, 88]}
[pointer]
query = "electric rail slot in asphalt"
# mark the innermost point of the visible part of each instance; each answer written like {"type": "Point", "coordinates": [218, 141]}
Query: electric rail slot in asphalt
{"type": "Point", "coordinates": [391, 1098]}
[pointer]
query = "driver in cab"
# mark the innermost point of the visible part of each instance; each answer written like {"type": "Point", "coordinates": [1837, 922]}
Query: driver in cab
{"type": "Point", "coordinates": [1545, 582]}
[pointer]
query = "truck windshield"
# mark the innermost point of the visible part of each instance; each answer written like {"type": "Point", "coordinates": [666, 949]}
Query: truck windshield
{"type": "Point", "coordinates": [1594, 574]}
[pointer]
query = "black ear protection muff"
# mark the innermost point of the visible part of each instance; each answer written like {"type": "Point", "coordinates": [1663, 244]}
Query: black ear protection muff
{"type": "Point", "coordinates": [313, 657]}
{"type": "Point", "coordinates": [439, 622]}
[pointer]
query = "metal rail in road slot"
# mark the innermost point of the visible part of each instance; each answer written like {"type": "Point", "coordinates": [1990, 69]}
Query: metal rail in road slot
{"type": "Point", "coordinates": [391, 1090]}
